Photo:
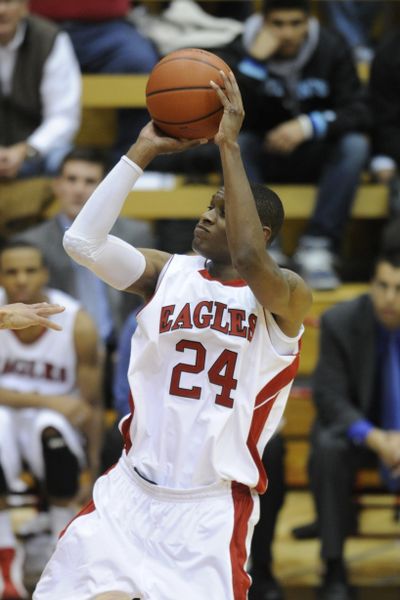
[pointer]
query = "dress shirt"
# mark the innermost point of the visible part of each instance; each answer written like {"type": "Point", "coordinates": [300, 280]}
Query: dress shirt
{"type": "Point", "coordinates": [60, 90]}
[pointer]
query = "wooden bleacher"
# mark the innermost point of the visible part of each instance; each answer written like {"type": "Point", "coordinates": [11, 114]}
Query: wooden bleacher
{"type": "Point", "coordinates": [101, 96]}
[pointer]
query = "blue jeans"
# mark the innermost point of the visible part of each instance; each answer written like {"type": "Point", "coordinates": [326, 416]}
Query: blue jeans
{"type": "Point", "coordinates": [354, 20]}
{"type": "Point", "coordinates": [114, 47]}
{"type": "Point", "coordinates": [335, 165]}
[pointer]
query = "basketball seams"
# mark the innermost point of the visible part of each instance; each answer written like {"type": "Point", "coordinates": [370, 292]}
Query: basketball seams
{"type": "Point", "coordinates": [180, 89]}
{"type": "Point", "coordinates": [190, 58]}
{"type": "Point", "coordinates": [189, 122]}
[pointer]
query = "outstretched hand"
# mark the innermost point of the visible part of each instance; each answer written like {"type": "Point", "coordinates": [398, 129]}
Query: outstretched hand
{"type": "Point", "coordinates": [233, 116]}
{"type": "Point", "coordinates": [20, 316]}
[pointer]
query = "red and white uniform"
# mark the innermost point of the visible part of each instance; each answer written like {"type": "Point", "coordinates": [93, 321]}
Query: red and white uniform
{"type": "Point", "coordinates": [206, 381]}
{"type": "Point", "coordinates": [46, 366]}
{"type": "Point", "coordinates": [209, 390]}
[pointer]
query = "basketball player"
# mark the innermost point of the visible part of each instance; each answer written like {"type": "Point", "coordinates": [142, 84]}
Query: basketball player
{"type": "Point", "coordinates": [20, 316]}
{"type": "Point", "coordinates": [49, 402]}
{"type": "Point", "coordinates": [212, 362]}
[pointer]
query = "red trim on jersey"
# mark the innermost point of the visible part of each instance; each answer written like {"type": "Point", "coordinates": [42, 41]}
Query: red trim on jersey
{"type": "Point", "coordinates": [86, 510]}
{"type": "Point", "coordinates": [243, 505]}
{"type": "Point", "coordinates": [278, 382]}
{"type": "Point", "coordinates": [261, 414]}
{"type": "Point", "coordinates": [126, 425]}
{"type": "Point", "coordinates": [232, 282]}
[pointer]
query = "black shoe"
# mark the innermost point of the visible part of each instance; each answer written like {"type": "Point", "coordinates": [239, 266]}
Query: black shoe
{"type": "Point", "coordinates": [306, 532]}
{"type": "Point", "coordinates": [311, 530]}
{"type": "Point", "coordinates": [335, 585]}
{"type": "Point", "coordinates": [265, 589]}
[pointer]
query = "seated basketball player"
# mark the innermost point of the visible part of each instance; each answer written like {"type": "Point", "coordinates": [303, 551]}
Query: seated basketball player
{"type": "Point", "coordinates": [49, 402]}
{"type": "Point", "coordinates": [212, 362]}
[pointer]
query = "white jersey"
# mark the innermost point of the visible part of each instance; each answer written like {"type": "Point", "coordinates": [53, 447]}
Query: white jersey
{"type": "Point", "coordinates": [208, 388]}
{"type": "Point", "coordinates": [48, 365]}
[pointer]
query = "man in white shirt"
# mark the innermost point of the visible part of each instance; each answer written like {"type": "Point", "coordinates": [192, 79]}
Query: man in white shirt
{"type": "Point", "coordinates": [40, 93]}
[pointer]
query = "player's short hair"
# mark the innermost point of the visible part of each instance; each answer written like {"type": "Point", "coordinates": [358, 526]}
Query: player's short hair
{"type": "Point", "coordinates": [269, 208]}
{"type": "Point", "coordinates": [14, 244]}
{"type": "Point", "coordinates": [270, 5]}
{"type": "Point", "coordinates": [95, 156]}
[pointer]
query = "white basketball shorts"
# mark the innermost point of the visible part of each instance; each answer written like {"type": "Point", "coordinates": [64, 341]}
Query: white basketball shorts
{"type": "Point", "coordinates": [154, 543]}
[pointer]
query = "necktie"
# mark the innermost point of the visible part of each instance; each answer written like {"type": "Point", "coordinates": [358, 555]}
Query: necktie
{"type": "Point", "coordinates": [390, 399]}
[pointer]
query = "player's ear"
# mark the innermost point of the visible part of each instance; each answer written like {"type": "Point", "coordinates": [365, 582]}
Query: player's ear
{"type": "Point", "coordinates": [267, 234]}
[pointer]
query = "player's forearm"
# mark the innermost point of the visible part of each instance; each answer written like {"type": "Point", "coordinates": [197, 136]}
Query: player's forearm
{"type": "Point", "coordinates": [88, 242]}
{"type": "Point", "coordinates": [22, 399]}
{"type": "Point", "coordinates": [142, 152]}
{"type": "Point", "coordinates": [102, 209]}
{"type": "Point", "coordinates": [245, 235]}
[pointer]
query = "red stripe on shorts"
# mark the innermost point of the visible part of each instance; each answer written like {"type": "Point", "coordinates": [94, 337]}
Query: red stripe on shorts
{"type": "Point", "coordinates": [87, 509]}
{"type": "Point", "coordinates": [243, 504]}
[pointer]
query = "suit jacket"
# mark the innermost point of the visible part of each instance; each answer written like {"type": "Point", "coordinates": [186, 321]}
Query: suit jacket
{"type": "Point", "coordinates": [48, 237]}
{"type": "Point", "coordinates": [345, 377]}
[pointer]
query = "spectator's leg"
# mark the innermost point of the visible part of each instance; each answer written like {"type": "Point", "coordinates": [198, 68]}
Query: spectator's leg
{"type": "Point", "coordinates": [62, 479]}
{"type": "Point", "coordinates": [270, 504]}
{"type": "Point", "coordinates": [253, 155]}
{"type": "Point", "coordinates": [332, 469]}
{"type": "Point", "coordinates": [337, 187]}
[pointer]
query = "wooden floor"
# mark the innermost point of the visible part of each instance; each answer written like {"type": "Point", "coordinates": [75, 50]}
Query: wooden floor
{"type": "Point", "coordinates": [373, 557]}
{"type": "Point", "coordinates": [373, 560]}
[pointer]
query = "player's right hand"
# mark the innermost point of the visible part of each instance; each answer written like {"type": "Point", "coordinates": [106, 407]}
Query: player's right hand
{"type": "Point", "coordinates": [153, 138]}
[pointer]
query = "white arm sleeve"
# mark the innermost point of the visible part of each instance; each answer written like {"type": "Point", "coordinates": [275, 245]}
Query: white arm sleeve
{"type": "Point", "coordinates": [88, 242]}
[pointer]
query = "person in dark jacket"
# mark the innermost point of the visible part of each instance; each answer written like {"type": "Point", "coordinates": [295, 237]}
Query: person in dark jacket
{"type": "Point", "coordinates": [306, 121]}
{"type": "Point", "coordinates": [357, 398]}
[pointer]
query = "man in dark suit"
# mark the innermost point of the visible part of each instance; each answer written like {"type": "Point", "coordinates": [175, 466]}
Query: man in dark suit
{"type": "Point", "coordinates": [357, 397]}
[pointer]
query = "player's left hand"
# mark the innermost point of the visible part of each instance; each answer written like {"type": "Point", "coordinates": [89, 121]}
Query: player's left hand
{"type": "Point", "coordinates": [233, 116]}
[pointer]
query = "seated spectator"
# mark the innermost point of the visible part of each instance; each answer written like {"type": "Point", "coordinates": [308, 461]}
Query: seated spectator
{"type": "Point", "coordinates": [81, 171]}
{"type": "Point", "coordinates": [40, 93]}
{"type": "Point", "coordinates": [105, 42]}
{"type": "Point", "coordinates": [50, 403]}
{"type": "Point", "coordinates": [385, 101]}
{"type": "Point", "coordinates": [357, 399]}
{"type": "Point", "coordinates": [306, 121]}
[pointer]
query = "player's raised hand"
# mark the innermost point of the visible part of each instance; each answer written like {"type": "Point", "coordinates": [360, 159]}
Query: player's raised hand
{"type": "Point", "coordinates": [21, 316]}
{"type": "Point", "coordinates": [152, 142]}
{"type": "Point", "coordinates": [233, 116]}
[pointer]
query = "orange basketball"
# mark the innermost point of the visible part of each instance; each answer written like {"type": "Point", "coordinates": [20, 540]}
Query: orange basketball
{"type": "Point", "coordinates": [179, 97]}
